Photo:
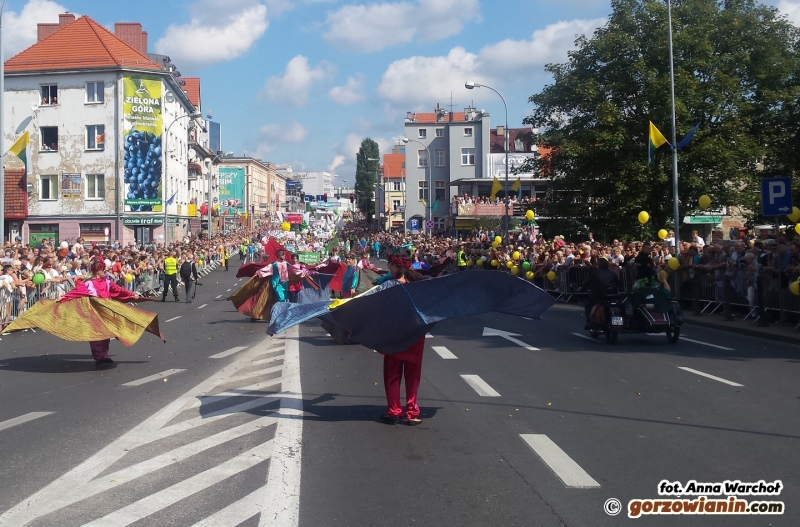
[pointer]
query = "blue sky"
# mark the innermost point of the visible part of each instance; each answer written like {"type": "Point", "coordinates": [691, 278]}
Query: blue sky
{"type": "Point", "coordinates": [302, 82]}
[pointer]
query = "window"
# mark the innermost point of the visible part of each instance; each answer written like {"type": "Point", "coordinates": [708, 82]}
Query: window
{"type": "Point", "coordinates": [440, 132]}
{"type": "Point", "coordinates": [49, 138]}
{"type": "Point", "coordinates": [438, 156]}
{"type": "Point", "coordinates": [48, 188]}
{"type": "Point", "coordinates": [95, 92]}
{"type": "Point", "coordinates": [95, 186]}
{"type": "Point", "coordinates": [422, 158]}
{"type": "Point", "coordinates": [395, 204]}
{"type": "Point", "coordinates": [95, 137]}
{"type": "Point", "coordinates": [467, 156]}
{"type": "Point", "coordinates": [396, 186]}
{"type": "Point", "coordinates": [423, 133]}
{"type": "Point", "coordinates": [49, 94]}
{"type": "Point", "coordinates": [468, 132]}
{"type": "Point", "coordinates": [439, 190]}
{"type": "Point", "coordinates": [423, 190]}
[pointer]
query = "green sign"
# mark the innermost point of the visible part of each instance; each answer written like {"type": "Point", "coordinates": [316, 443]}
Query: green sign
{"type": "Point", "coordinates": [308, 257]}
{"type": "Point", "coordinates": [231, 189]}
{"type": "Point", "coordinates": [35, 238]}
{"type": "Point", "coordinates": [173, 220]}
{"type": "Point", "coordinates": [143, 220]}
{"type": "Point", "coordinates": [702, 219]}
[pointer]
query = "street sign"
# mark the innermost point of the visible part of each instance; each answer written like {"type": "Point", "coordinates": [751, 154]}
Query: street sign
{"type": "Point", "coordinates": [776, 196]}
{"type": "Point", "coordinates": [429, 224]}
{"type": "Point", "coordinates": [414, 224]}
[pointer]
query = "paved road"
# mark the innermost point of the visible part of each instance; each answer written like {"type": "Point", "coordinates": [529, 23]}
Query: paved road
{"type": "Point", "coordinates": [252, 430]}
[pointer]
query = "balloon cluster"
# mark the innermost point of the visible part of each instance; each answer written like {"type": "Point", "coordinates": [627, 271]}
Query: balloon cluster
{"type": "Point", "coordinates": [142, 162]}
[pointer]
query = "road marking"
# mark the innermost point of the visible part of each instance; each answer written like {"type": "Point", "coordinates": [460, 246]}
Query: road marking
{"type": "Point", "coordinates": [491, 332]}
{"type": "Point", "coordinates": [235, 513]}
{"type": "Point", "coordinates": [228, 290]}
{"type": "Point", "coordinates": [587, 337]}
{"type": "Point", "coordinates": [173, 318]}
{"type": "Point", "coordinates": [155, 377]}
{"type": "Point", "coordinates": [428, 336]}
{"type": "Point", "coordinates": [219, 296]}
{"type": "Point", "coordinates": [707, 344]}
{"type": "Point", "coordinates": [201, 307]}
{"type": "Point", "coordinates": [569, 472]}
{"type": "Point", "coordinates": [228, 353]}
{"type": "Point", "coordinates": [714, 377]}
{"type": "Point", "coordinates": [22, 419]}
{"type": "Point", "coordinates": [480, 386]}
{"type": "Point", "coordinates": [444, 352]}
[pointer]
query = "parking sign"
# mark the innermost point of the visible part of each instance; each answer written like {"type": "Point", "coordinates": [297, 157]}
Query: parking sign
{"type": "Point", "coordinates": [776, 196]}
{"type": "Point", "coordinates": [414, 224]}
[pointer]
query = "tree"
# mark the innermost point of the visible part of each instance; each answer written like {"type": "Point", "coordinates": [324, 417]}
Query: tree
{"type": "Point", "coordinates": [367, 164]}
{"type": "Point", "coordinates": [736, 73]}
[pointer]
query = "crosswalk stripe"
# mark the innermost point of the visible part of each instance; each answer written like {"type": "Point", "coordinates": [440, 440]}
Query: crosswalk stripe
{"type": "Point", "coordinates": [257, 373]}
{"type": "Point", "coordinates": [567, 470]}
{"type": "Point", "coordinates": [22, 419]}
{"type": "Point", "coordinates": [428, 336]}
{"type": "Point", "coordinates": [480, 386]}
{"type": "Point", "coordinates": [444, 352]}
{"type": "Point", "coordinates": [228, 353]}
{"type": "Point", "coordinates": [219, 296]}
{"type": "Point", "coordinates": [235, 513]}
{"type": "Point", "coordinates": [154, 377]}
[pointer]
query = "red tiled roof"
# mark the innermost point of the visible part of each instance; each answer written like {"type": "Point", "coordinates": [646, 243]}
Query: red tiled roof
{"type": "Point", "coordinates": [432, 118]}
{"type": "Point", "coordinates": [192, 89]}
{"type": "Point", "coordinates": [81, 44]}
{"type": "Point", "coordinates": [393, 166]}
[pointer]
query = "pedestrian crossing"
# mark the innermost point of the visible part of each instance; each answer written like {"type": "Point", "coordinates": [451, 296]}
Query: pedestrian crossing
{"type": "Point", "coordinates": [241, 425]}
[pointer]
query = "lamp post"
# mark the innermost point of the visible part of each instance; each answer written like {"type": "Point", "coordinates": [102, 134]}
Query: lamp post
{"type": "Point", "coordinates": [377, 186]}
{"type": "Point", "coordinates": [427, 181]}
{"type": "Point", "coordinates": [165, 179]}
{"type": "Point", "coordinates": [213, 163]}
{"type": "Point", "coordinates": [2, 134]}
{"type": "Point", "coordinates": [471, 85]}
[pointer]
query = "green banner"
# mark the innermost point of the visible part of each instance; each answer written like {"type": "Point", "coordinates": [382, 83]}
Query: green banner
{"type": "Point", "coordinates": [141, 111]}
{"type": "Point", "coordinates": [308, 257]}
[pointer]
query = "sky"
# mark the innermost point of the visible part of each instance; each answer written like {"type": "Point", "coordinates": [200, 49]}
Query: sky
{"type": "Point", "coordinates": [303, 82]}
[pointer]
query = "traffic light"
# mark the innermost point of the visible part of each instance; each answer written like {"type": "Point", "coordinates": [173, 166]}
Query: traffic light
{"type": "Point", "coordinates": [352, 198]}
{"type": "Point", "coordinates": [325, 197]}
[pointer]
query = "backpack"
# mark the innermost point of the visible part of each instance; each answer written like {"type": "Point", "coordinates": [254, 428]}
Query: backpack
{"type": "Point", "coordinates": [186, 270]}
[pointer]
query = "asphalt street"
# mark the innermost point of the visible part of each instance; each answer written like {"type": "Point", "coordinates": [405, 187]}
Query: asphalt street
{"type": "Point", "coordinates": [533, 424]}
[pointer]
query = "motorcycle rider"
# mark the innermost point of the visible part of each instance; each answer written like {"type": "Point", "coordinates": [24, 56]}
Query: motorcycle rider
{"type": "Point", "coordinates": [601, 282]}
{"type": "Point", "coordinates": [645, 267]}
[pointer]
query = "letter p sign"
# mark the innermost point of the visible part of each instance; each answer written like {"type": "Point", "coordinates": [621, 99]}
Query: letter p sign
{"type": "Point", "coordinates": [776, 196]}
{"type": "Point", "coordinates": [776, 190]}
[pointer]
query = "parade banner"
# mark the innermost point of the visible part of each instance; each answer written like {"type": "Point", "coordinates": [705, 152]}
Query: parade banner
{"type": "Point", "coordinates": [308, 258]}
{"type": "Point", "coordinates": [231, 189]}
{"type": "Point", "coordinates": [141, 113]}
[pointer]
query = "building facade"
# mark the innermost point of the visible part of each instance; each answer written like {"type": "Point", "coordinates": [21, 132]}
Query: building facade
{"type": "Point", "coordinates": [393, 183]}
{"type": "Point", "coordinates": [250, 192]}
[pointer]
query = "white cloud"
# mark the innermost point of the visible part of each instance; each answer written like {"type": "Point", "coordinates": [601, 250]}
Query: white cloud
{"type": "Point", "coordinates": [278, 7]}
{"type": "Point", "coordinates": [19, 29]}
{"type": "Point", "coordinates": [293, 85]}
{"type": "Point", "coordinates": [374, 27]}
{"type": "Point", "coordinates": [215, 34]}
{"type": "Point", "coordinates": [791, 9]}
{"type": "Point", "coordinates": [420, 81]}
{"type": "Point", "coordinates": [336, 163]}
{"type": "Point", "coordinates": [344, 162]}
{"type": "Point", "coordinates": [270, 136]}
{"type": "Point", "coordinates": [350, 93]}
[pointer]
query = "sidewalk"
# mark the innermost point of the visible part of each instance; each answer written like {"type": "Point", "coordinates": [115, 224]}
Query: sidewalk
{"type": "Point", "coordinates": [775, 331]}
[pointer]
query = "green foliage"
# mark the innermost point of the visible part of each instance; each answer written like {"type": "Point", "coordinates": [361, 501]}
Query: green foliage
{"type": "Point", "coordinates": [366, 175]}
{"type": "Point", "coordinates": [737, 72]}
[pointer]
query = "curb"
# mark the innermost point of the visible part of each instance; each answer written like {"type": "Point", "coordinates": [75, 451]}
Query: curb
{"type": "Point", "coordinates": [734, 328]}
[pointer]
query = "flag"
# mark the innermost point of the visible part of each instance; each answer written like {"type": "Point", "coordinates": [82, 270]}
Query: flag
{"type": "Point", "coordinates": [435, 205]}
{"type": "Point", "coordinates": [656, 140]}
{"type": "Point", "coordinates": [20, 148]}
{"type": "Point", "coordinates": [496, 187]}
{"type": "Point", "coordinates": [685, 141]}
{"type": "Point", "coordinates": [515, 186]}
{"type": "Point", "coordinates": [425, 203]}
{"type": "Point", "coordinates": [170, 200]}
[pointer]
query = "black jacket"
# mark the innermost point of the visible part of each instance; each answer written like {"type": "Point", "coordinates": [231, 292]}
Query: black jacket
{"type": "Point", "coordinates": [600, 283]}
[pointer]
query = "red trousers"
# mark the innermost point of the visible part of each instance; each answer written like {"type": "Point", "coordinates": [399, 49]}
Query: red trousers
{"type": "Point", "coordinates": [406, 364]}
{"type": "Point", "coordinates": [100, 348]}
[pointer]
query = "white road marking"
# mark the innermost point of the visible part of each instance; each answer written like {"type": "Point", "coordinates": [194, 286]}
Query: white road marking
{"type": "Point", "coordinates": [235, 513]}
{"type": "Point", "coordinates": [491, 332]}
{"type": "Point", "coordinates": [228, 353]}
{"type": "Point", "coordinates": [428, 336]}
{"type": "Point", "coordinates": [201, 307]}
{"type": "Point", "coordinates": [22, 419]}
{"type": "Point", "coordinates": [480, 386]}
{"type": "Point", "coordinates": [559, 462]}
{"type": "Point", "coordinates": [444, 352]}
{"type": "Point", "coordinates": [714, 377]}
{"type": "Point", "coordinates": [151, 378]}
{"type": "Point", "coordinates": [587, 337]}
{"type": "Point", "coordinates": [219, 296]}
{"type": "Point", "coordinates": [707, 344]}
{"type": "Point", "coordinates": [228, 290]}
{"type": "Point", "coordinates": [173, 318]}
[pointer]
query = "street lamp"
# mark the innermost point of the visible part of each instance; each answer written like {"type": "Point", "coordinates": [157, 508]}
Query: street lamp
{"type": "Point", "coordinates": [471, 85]}
{"type": "Point", "coordinates": [406, 140]}
{"type": "Point", "coordinates": [212, 162]}
{"type": "Point", "coordinates": [165, 179]}
{"type": "Point", "coordinates": [377, 186]}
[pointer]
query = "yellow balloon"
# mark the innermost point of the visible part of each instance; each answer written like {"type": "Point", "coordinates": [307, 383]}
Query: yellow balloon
{"type": "Point", "coordinates": [797, 228]}
{"type": "Point", "coordinates": [286, 226]}
{"type": "Point", "coordinates": [673, 263]}
{"type": "Point", "coordinates": [795, 215]}
{"type": "Point", "coordinates": [705, 201]}
{"type": "Point", "coordinates": [515, 255]}
{"type": "Point", "coordinates": [529, 275]}
{"type": "Point", "coordinates": [662, 233]}
{"type": "Point", "coordinates": [514, 270]}
{"type": "Point", "coordinates": [529, 215]}
{"type": "Point", "coordinates": [495, 263]}
{"type": "Point", "coordinates": [479, 262]}
{"type": "Point", "coordinates": [662, 275]}
{"type": "Point", "coordinates": [551, 275]}
{"type": "Point", "coordinates": [469, 263]}
{"type": "Point", "coordinates": [794, 287]}
{"type": "Point", "coordinates": [495, 244]}
{"type": "Point", "coordinates": [498, 240]}
{"type": "Point", "coordinates": [129, 277]}
{"type": "Point", "coordinates": [509, 264]}
{"type": "Point", "coordinates": [643, 217]}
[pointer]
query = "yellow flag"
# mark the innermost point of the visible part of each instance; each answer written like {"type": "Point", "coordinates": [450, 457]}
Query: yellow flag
{"type": "Point", "coordinates": [496, 187]}
{"type": "Point", "coordinates": [515, 186]}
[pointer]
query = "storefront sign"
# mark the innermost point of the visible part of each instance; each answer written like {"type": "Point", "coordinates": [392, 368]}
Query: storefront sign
{"type": "Point", "coordinates": [294, 219]}
{"type": "Point", "coordinates": [141, 112]}
{"type": "Point", "coordinates": [71, 185]}
{"type": "Point", "coordinates": [143, 220]}
{"type": "Point", "coordinates": [696, 220]}
{"type": "Point", "coordinates": [39, 233]}
{"type": "Point", "coordinates": [94, 232]}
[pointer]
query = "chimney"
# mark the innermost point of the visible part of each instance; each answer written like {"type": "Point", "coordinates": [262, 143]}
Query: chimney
{"type": "Point", "coordinates": [143, 42]}
{"type": "Point", "coordinates": [65, 18]}
{"type": "Point", "coordinates": [130, 33]}
{"type": "Point", "coordinates": [501, 131]}
{"type": "Point", "coordinates": [45, 30]}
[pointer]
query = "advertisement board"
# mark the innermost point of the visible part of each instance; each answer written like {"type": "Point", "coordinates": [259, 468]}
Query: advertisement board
{"type": "Point", "coordinates": [71, 185]}
{"type": "Point", "coordinates": [231, 190]}
{"type": "Point", "coordinates": [294, 219]}
{"type": "Point", "coordinates": [141, 113]}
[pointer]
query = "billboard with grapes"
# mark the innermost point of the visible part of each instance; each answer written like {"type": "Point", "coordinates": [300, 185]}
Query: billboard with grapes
{"type": "Point", "coordinates": [142, 144]}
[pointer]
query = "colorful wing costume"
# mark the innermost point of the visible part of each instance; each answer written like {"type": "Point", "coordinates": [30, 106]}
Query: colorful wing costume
{"type": "Point", "coordinates": [391, 317]}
